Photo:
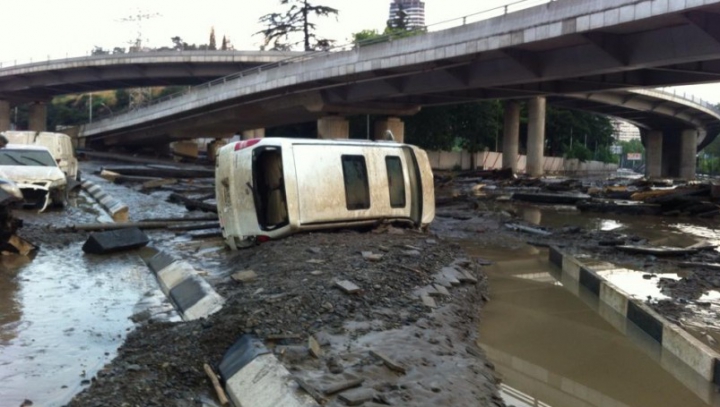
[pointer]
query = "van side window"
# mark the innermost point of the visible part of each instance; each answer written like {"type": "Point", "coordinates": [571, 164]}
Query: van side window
{"type": "Point", "coordinates": [396, 181]}
{"type": "Point", "coordinates": [357, 191]}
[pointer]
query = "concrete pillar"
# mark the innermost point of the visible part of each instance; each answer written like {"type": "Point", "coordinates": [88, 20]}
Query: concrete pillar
{"type": "Point", "coordinates": [536, 136]}
{"type": "Point", "coordinates": [213, 147]}
{"type": "Point", "coordinates": [688, 150]}
{"type": "Point", "coordinates": [38, 116]}
{"type": "Point", "coordinates": [511, 135]}
{"type": "Point", "coordinates": [254, 133]}
{"type": "Point", "coordinates": [653, 154]}
{"type": "Point", "coordinates": [394, 124]}
{"type": "Point", "coordinates": [333, 127]}
{"type": "Point", "coordinates": [4, 115]}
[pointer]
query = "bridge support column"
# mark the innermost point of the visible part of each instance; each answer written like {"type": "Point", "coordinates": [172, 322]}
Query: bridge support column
{"type": "Point", "coordinates": [333, 127]}
{"type": "Point", "coordinates": [4, 115]}
{"type": "Point", "coordinates": [254, 133]}
{"type": "Point", "coordinates": [511, 136]}
{"type": "Point", "coordinates": [653, 154]}
{"type": "Point", "coordinates": [536, 136]}
{"type": "Point", "coordinates": [394, 124]}
{"type": "Point", "coordinates": [38, 116]}
{"type": "Point", "coordinates": [688, 151]}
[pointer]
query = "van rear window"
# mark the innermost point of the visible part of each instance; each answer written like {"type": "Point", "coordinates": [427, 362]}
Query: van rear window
{"type": "Point", "coordinates": [396, 181]}
{"type": "Point", "coordinates": [357, 191]}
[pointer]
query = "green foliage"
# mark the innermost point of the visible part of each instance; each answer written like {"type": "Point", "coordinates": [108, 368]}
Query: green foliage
{"type": "Point", "coordinates": [224, 45]}
{"type": "Point", "coordinates": [632, 146]}
{"type": "Point", "coordinates": [565, 128]}
{"type": "Point", "coordinates": [578, 151]}
{"type": "Point", "coordinates": [122, 99]}
{"type": "Point", "coordinates": [279, 27]}
{"type": "Point", "coordinates": [472, 126]}
{"type": "Point", "coordinates": [603, 154]}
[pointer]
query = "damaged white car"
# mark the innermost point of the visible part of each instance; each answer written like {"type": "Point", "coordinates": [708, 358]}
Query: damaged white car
{"type": "Point", "coordinates": [36, 173]}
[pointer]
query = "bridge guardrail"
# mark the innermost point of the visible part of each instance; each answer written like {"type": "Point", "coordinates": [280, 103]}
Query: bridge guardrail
{"type": "Point", "coordinates": [442, 25]}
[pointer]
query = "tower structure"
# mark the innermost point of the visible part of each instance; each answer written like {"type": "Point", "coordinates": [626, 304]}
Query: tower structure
{"type": "Point", "coordinates": [410, 12]}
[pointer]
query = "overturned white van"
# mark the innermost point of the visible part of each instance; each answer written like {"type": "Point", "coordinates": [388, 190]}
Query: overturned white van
{"type": "Point", "coordinates": [59, 145]}
{"type": "Point", "coordinates": [273, 187]}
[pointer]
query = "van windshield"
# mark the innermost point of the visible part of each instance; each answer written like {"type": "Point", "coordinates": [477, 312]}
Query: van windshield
{"type": "Point", "coordinates": [26, 157]}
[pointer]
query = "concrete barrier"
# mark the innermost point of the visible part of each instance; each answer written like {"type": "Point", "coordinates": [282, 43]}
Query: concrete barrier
{"type": "Point", "coordinates": [192, 296]}
{"type": "Point", "coordinates": [115, 240]}
{"type": "Point", "coordinates": [489, 160]}
{"type": "Point", "coordinates": [678, 347]}
{"type": "Point", "coordinates": [118, 211]}
{"type": "Point", "coordinates": [254, 377]}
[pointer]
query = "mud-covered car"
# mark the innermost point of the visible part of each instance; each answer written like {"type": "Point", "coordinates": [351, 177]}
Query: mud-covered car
{"type": "Point", "coordinates": [36, 174]}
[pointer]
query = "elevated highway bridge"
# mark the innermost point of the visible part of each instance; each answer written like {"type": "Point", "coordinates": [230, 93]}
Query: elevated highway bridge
{"type": "Point", "coordinates": [569, 52]}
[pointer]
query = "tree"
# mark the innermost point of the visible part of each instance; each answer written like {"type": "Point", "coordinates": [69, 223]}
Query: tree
{"type": "Point", "coordinates": [178, 43]}
{"type": "Point", "coordinates": [211, 45]}
{"type": "Point", "coordinates": [280, 27]}
{"type": "Point", "coordinates": [224, 46]}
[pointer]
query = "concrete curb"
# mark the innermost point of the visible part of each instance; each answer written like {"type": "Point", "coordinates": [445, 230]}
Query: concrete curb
{"type": "Point", "coordinates": [192, 296]}
{"type": "Point", "coordinates": [254, 377]}
{"type": "Point", "coordinates": [618, 308]}
{"type": "Point", "coordinates": [118, 210]}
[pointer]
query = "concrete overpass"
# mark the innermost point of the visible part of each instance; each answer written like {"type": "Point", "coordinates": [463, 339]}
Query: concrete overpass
{"type": "Point", "coordinates": [39, 82]}
{"type": "Point", "coordinates": [563, 47]}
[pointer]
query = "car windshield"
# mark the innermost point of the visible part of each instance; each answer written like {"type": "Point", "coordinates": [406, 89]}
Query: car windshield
{"type": "Point", "coordinates": [26, 157]}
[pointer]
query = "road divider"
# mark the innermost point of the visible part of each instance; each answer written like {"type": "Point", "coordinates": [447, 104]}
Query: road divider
{"type": "Point", "coordinates": [192, 296]}
{"type": "Point", "coordinates": [118, 210]}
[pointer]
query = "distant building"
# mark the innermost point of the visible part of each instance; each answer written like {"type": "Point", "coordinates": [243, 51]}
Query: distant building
{"type": "Point", "coordinates": [413, 9]}
{"type": "Point", "coordinates": [624, 131]}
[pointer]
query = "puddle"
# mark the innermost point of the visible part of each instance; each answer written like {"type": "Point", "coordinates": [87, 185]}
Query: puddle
{"type": "Point", "coordinates": [551, 348]}
{"type": "Point", "coordinates": [62, 317]}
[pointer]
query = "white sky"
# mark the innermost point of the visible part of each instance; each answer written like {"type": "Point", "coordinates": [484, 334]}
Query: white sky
{"type": "Point", "coordinates": [58, 28]}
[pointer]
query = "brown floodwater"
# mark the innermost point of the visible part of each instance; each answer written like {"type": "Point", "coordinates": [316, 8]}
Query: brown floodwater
{"type": "Point", "coordinates": [553, 348]}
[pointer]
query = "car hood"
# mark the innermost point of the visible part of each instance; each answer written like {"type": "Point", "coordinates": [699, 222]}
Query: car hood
{"type": "Point", "coordinates": [23, 174]}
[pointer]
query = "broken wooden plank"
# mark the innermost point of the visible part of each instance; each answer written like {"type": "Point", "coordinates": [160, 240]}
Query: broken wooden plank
{"type": "Point", "coordinates": [310, 390]}
{"type": "Point", "coordinates": [657, 250]}
{"type": "Point", "coordinates": [528, 229]}
{"type": "Point", "coordinates": [344, 385]}
{"type": "Point", "coordinates": [192, 204]}
{"type": "Point", "coordinates": [693, 264]}
{"type": "Point", "coordinates": [391, 364]}
{"type": "Point", "coordinates": [194, 226]}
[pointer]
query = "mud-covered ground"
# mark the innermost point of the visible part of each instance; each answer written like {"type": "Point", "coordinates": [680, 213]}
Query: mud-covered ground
{"type": "Point", "coordinates": [295, 296]}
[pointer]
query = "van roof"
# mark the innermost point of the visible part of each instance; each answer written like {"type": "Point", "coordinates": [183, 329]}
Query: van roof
{"type": "Point", "coordinates": [30, 132]}
{"type": "Point", "coordinates": [24, 147]}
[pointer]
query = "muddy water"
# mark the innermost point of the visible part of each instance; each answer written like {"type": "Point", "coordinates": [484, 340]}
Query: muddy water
{"type": "Point", "coordinates": [553, 348]}
{"type": "Point", "coordinates": [62, 317]}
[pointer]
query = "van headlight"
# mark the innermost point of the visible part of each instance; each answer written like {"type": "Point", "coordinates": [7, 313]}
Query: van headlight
{"type": "Point", "coordinates": [11, 188]}
{"type": "Point", "coordinates": [57, 183]}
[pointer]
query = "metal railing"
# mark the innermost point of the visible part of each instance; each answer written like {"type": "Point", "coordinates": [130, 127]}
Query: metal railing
{"type": "Point", "coordinates": [442, 25]}
{"type": "Point", "coordinates": [683, 95]}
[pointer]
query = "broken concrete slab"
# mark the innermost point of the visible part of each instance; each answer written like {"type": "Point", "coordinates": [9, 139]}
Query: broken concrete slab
{"type": "Point", "coordinates": [465, 276]}
{"type": "Point", "coordinates": [442, 291]}
{"type": "Point", "coordinates": [356, 397]}
{"type": "Point", "coordinates": [245, 276]}
{"type": "Point", "coordinates": [348, 287]}
{"type": "Point", "coordinates": [428, 301]}
{"type": "Point", "coordinates": [391, 364]}
{"type": "Point", "coordinates": [113, 241]}
{"type": "Point", "coordinates": [314, 347]}
{"type": "Point", "coordinates": [371, 256]}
